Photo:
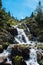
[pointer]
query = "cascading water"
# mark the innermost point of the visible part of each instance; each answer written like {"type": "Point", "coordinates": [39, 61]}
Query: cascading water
{"type": "Point", "coordinates": [5, 55]}
{"type": "Point", "coordinates": [33, 58]}
{"type": "Point", "coordinates": [27, 28]}
{"type": "Point", "coordinates": [21, 37]}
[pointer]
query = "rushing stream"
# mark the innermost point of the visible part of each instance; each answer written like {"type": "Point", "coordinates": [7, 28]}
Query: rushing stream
{"type": "Point", "coordinates": [21, 38]}
{"type": "Point", "coordinates": [33, 58]}
{"type": "Point", "coordinates": [5, 55]}
{"type": "Point", "coordinates": [31, 61]}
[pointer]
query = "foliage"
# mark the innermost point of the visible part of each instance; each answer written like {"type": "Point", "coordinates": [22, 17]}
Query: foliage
{"type": "Point", "coordinates": [5, 45]}
{"type": "Point", "coordinates": [6, 18]}
{"type": "Point", "coordinates": [39, 16]}
{"type": "Point", "coordinates": [40, 46]}
{"type": "Point", "coordinates": [6, 21]}
{"type": "Point", "coordinates": [1, 48]}
{"type": "Point", "coordinates": [35, 23]}
{"type": "Point", "coordinates": [0, 3]}
{"type": "Point", "coordinates": [41, 62]}
{"type": "Point", "coordinates": [17, 60]}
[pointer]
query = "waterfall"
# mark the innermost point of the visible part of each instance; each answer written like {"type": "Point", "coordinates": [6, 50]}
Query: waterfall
{"type": "Point", "coordinates": [33, 58]}
{"type": "Point", "coordinates": [21, 37]}
{"type": "Point", "coordinates": [27, 28]}
{"type": "Point", "coordinates": [5, 55]}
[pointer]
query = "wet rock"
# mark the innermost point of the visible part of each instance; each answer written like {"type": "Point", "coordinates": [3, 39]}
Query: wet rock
{"type": "Point", "coordinates": [18, 60]}
{"type": "Point", "coordinates": [13, 31]}
{"type": "Point", "coordinates": [5, 45]}
{"type": "Point", "coordinates": [1, 49]}
{"type": "Point", "coordinates": [39, 56]}
{"type": "Point", "coordinates": [21, 51]}
{"type": "Point", "coordinates": [25, 53]}
{"type": "Point", "coordinates": [23, 63]}
{"type": "Point", "coordinates": [16, 51]}
{"type": "Point", "coordinates": [6, 64]}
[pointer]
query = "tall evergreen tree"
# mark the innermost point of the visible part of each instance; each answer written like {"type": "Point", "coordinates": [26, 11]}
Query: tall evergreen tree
{"type": "Point", "coordinates": [0, 3]}
{"type": "Point", "coordinates": [32, 14]}
{"type": "Point", "coordinates": [39, 12]}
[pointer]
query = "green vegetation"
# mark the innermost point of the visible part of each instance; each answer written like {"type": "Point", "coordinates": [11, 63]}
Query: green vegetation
{"type": "Point", "coordinates": [18, 60]}
{"type": "Point", "coordinates": [6, 21]}
{"type": "Point", "coordinates": [40, 46]}
{"type": "Point", "coordinates": [35, 23]}
{"type": "Point", "coordinates": [41, 62]}
{"type": "Point", "coordinates": [5, 45]}
{"type": "Point", "coordinates": [1, 48]}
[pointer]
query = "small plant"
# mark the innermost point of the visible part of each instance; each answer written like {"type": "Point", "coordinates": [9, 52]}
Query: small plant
{"type": "Point", "coordinates": [41, 62]}
{"type": "Point", "coordinates": [1, 48]}
{"type": "Point", "coordinates": [17, 60]}
{"type": "Point", "coordinates": [40, 46]}
{"type": "Point", "coordinates": [5, 45]}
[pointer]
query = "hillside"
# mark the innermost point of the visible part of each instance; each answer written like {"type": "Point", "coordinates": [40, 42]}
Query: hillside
{"type": "Point", "coordinates": [35, 23]}
{"type": "Point", "coordinates": [6, 21]}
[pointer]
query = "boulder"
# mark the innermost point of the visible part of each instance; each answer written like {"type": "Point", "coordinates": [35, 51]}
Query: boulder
{"type": "Point", "coordinates": [18, 60]}
{"type": "Point", "coordinates": [25, 53]}
{"type": "Point", "coordinates": [21, 51]}
{"type": "Point", "coordinates": [12, 30]}
{"type": "Point", "coordinates": [1, 49]}
{"type": "Point", "coordinates": [39, 56]}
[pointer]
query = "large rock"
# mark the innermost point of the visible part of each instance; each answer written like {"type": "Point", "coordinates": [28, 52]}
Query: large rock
{"type": "Point", "coordinates": [21, 51]}
{"type": "Point", "coordinates": [18, 60]}
{"type": "Point", "coordinates": [25, 53]}
{"type": "Point", "coordinates": [39, 56]}
{"type": "Point", "coordinates": [5, 64]}
{"type": "Point", "coordinates": [1, 49]}
{"type": "Point", "coordinates": [12, 30]}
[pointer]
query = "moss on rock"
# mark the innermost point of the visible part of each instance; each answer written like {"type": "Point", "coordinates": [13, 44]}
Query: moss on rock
{"type": "Point", "coordinates": [1, 48]}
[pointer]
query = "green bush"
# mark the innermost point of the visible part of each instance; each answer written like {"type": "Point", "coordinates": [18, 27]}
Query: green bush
{"type": "Point", "coordinates": [40, 46]}
{"type": "Point", "coordinates": [17, 60]}
{"type": "Point", "coordinates": [1, 48]}
{"type": "Point", "coordinates": [41, 62]}
{"type": "Point", "coordinates": [5, 45]}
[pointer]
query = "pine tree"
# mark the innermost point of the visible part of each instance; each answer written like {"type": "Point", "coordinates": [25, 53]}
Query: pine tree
{"type": "Point", "coordinates": [39, 13]}
{"type": "Point", "coordinates": [32, 14]}
{"type": "Point", "coordinates": [0, 3]}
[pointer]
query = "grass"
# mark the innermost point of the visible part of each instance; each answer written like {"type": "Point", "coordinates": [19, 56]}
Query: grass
{"type": "Point", "coordinates": [40, 46]}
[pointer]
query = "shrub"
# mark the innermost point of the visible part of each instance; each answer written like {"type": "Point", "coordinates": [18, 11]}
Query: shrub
{"type": "Point", "coordinates": [5, 45]}
{"type": "Point", "coordinates": [17, 60]}
{"type": "Point", "coordinates": [1, 48]}
{"type": "Point", "coordinates": [41, 62]}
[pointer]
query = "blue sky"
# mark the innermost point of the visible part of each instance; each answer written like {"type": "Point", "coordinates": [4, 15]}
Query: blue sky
{"type": "Point", "coordinates": [20, 8]}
